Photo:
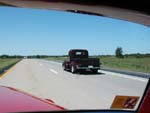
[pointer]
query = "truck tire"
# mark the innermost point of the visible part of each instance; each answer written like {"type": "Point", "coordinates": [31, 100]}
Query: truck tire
{"type": "Point", "coordinates": [95, 71]}
{"type": "Point", "coordinates": [73, 70]}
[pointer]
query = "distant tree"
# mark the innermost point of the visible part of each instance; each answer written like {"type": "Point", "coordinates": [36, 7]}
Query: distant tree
{"type": "Point", "coordinates": [138, 55]}
{"type": "Point", "coordinates": [4, 56]}
{"type": "Point", "coordinates": [38, 56]}
{"type": "Point", "coordinates": [119, 52]}
{"type": "Point", "coordinates": [126, 55]}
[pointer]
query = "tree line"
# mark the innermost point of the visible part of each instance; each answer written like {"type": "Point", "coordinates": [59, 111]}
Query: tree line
{"type": "Point", "coordinates": [119, 54]}
{"type": "Point", "coordinates": [29, 56]}
{"type": "Point", "coordinates": [10, 56]}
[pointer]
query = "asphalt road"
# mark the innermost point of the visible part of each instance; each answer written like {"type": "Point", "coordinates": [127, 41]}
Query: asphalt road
{"type": "Point", "coordinates": [48, 80]}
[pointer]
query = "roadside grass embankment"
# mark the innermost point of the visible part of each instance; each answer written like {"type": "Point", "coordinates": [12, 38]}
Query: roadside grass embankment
{"type": "Point", "coordinates": [6, 63]}
{"type": "Point", "coordinates": [129, 63]}
{"type": "Point", "coordinates": [57, 58]}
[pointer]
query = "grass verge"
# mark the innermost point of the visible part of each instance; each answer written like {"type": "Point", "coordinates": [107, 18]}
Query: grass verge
{"type": "Point", "coordinates": [129, 64]}
{"type": "Point", "coordinates": [58, 59]}
{"type": "Point", "coordinates": [7, 63]}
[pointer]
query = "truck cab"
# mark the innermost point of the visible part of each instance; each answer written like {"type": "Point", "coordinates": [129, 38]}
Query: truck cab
{"type": "Point", "coordinates": [79, 60]}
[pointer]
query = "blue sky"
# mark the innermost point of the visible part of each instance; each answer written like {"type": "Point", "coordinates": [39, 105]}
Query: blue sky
{"type": "Point", "coordinates": [32, 31]}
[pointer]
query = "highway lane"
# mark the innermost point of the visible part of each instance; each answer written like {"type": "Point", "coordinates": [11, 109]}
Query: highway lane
{"type": "Point", "coordinates": [47, 79]}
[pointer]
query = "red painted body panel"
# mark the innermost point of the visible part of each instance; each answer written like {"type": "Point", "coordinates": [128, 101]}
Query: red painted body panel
{"type": "Point", "coordinates": [145, 107]}
{"type": "Point", "coordinates": [12, 100]}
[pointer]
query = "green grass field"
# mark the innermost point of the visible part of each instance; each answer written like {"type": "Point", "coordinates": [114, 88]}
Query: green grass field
{"type": "Point", "coordinates": [130, 63]}
{"type": "Point", "coordinates": [59, 58]}
{"type": "Point", "coordinates": [7, 62]}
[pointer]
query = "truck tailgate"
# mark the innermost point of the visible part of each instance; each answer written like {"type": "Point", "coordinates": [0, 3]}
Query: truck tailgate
{"type": "Point", "coordinates": [89, 62]}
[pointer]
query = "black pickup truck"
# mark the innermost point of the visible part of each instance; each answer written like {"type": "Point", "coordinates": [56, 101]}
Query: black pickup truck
{"type": "Point", "coordinates": [79, 60]}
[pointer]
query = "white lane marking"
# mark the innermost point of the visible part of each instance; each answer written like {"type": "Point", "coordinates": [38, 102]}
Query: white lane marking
{"type": "Point", "coordinates": [52, 62]}
{"type": "Point", "coordinates": [55, 62]}
{"type": "Point", "coordinates": [53, 71]}
{"type": "Point", "coordinates": [41, 64]}
{"type": "Point", "coordinates": [125, 76]}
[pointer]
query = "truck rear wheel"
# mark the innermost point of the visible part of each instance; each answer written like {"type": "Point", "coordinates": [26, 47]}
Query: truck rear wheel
{"type": "Point", "coordinates": [73, 70]}
{"type": "Point", "coordinates": [95, 71]}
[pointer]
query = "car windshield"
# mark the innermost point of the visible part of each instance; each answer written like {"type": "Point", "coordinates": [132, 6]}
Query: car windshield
{"type": "Point", "coordinates": [37, 56]}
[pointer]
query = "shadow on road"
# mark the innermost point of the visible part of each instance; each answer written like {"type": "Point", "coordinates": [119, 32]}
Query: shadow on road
{"type": "Point", "coordinates": [87, 73]}
{"type": "Point", "coordinates": [90, 73]}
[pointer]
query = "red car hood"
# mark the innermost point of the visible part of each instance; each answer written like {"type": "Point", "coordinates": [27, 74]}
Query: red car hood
{"type": "Point", "coordinates": [13, 100]}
